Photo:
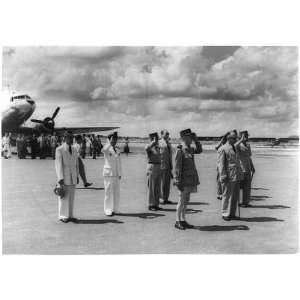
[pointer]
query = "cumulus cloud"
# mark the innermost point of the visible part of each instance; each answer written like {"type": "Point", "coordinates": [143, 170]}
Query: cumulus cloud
{"type": "Point", "coordinates": [174, 87]}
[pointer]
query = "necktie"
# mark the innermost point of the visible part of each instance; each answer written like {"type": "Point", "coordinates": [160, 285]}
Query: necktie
{"type": "Point", "coordinates": [70, 149]}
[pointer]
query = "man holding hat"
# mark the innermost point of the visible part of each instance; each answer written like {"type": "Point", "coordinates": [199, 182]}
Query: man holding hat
{"type": "Point", "coordinates": [186, 175]}
{"type": "Point", "coordinates": [112, 173]}
{"type": "Point", "coordinates": [244, 154]}
{"type": "Point", "coordinates": [230, 175]}
{"type": "Point", "coordinates": [153, 171]}
{"type": "Point", "coordinates": [66, 166]}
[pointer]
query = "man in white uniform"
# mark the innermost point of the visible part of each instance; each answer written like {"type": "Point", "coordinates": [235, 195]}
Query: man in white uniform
{"type": "Point", "coordinates": [112, 175]}
{"type": "Point", "coordinates": [7, 145]}
{"type": "Point", "coordinates": [66, 166]}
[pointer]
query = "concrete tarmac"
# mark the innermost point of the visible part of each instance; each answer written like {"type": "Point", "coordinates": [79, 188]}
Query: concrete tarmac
{"type": "Point", "coordinates": [30, 208]}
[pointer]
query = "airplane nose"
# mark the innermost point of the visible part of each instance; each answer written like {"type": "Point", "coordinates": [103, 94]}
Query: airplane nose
{"type": "Point", "coordinates": [30, 102]}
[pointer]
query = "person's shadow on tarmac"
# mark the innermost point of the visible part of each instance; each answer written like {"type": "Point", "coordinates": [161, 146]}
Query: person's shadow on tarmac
{"type": "Point", "coordinates": [101, 221]}
{"type": "Point", "coordinates": [140, 215]}
{"type": "Point", "coordinates": [221, 227]}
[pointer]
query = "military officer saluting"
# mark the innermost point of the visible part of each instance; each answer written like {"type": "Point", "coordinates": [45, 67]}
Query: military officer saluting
{"type": "Point", "coordinates": [244, 155]}
{"type": "Point", "coordinates": [153, 171]}
{"type": "Point", "coordinates": [166, 166]}
{"type": "Point", "coordinates": [230, 176]}
{"type": "Point", "coordinates": [112, 172]}
{"type": "Point", "coordinates": [186, 175]}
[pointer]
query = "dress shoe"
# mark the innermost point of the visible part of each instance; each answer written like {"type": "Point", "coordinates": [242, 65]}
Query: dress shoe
{"type": "Point", "coordinates": [74, 220]}
{"type": "Point", "coordinates": [157, 208]}
{"type": "Point", "coordinates": [179, 226]}
{"type": "Point", "coordinates": [244, 205]}
{"type": "Point", "coordinates": [167, 202]}
{"type": "Point", "coordinates": [226, 218]}
{"type": "Point", "coordinates": [64, 220]}
{"type": "Point", "coordinates": [111, 215]}
{"type": "Point", "coordinates": [186, 224]}
{"type": "Point", "coordinates": [87, 184]}
{"type": "Point", "coordinates": [151, 208]}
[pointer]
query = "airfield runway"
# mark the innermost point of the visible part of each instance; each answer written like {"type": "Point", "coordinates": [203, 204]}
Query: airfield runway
{"type": "Point", "coordinates": [30, 225]}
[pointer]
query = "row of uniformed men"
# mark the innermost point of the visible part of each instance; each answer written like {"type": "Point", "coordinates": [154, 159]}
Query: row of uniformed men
{"type": "Point", "coordinates": [232, 155]}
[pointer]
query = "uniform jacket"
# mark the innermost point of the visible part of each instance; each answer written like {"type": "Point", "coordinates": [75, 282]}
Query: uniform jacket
{"type": "Point", "coordinates": [165, 155]}
{"type": "Point", "coordinates": [112, 161]}
{"type": "Point", "coordinates": [244, 155]}
{"type": "Point", "coordinates": [185, 170]}
{"type": "Point", "coordinates": [229, 165]}
{"type": "Point", "coordinates": [66, 165]}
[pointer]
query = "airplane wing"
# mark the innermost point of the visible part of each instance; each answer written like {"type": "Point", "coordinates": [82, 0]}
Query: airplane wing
{"type": "Point", "coordinates": [80, 130]}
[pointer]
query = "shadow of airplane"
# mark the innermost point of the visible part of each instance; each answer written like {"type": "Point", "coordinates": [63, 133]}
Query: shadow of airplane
{"type": "Point", "coordinates": [140, 215]}
{"type": "Point", "coordinates": [103, 221]}
{"type": "Point", "coordinates": [259, 219]}
{"type": "Point", "coordinates": [258, 188]}
{"type": "Point", "coordinates": [221, 227]}
{"type": "Point", "coordinates": [90, 188]}
{"type": "Point", "coordinates": [270, 206]}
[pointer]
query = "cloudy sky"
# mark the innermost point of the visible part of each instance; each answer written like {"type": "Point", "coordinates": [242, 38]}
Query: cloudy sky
{"type": "Point", "coordinates": [144, 89]}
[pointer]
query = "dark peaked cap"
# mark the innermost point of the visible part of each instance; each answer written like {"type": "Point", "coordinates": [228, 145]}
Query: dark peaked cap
{"type": "Point", "coordinates": [185, 132]}
{"type": "Point", "coordinates": [153, 135]}
{"type": "Point", "coordinates": [114, 134]}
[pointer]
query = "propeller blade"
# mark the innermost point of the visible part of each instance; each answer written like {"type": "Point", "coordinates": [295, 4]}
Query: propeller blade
{"type": "Point", "coordinates": [36, 121]}
{"type": "Point", "coordinates": [55, 113]}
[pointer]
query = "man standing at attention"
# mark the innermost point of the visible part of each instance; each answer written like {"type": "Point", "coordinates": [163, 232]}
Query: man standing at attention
{"type": "Point", "coordinates": [66, 166]}
{"type": "Point", "coordinates": [186, 175]}
{"type": "Point", "coordinates": [219, 184]}
{"type": "Point", "coordinates": [153, 171]}
{"type": "Point", "coordinates": [166, 166]}
{"type": "Point", "coordinates": [244, 154]}
{"type": "Point", "coordinates": [112, 173]}
{"type": "Point", "coordinates": [81, 168]}
{"type": "Point", "coordinates": [53, 144]}
{"type": "Point", "coordinates": [230, 176]}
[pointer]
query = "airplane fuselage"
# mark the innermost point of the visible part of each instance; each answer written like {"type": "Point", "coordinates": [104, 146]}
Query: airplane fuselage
{"type": "Point", "coordinates": [16, 114]}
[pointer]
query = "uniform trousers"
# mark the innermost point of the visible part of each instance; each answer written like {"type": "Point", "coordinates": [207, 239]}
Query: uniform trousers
{"type": "Point", "coordinates": [153, 172]}
{"type": "Point", "coordinates": [165, 184]}
{"type": "Point", "coordinates": [66, 204]}
{"type": "Point", "coordinates": [219, 186]}
{"type": "Point", "coordinates": [111, 194]}
{"type": "Point", "coordinates": [81, 170]}
{"type": "Point", "coordinates": [230, 198]}
{"type": "Point", "coordinates": [246, 188]}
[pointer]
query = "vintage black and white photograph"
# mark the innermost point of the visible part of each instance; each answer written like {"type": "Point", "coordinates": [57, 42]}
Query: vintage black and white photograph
{"type": "Point", "coordinates": [150, 150]}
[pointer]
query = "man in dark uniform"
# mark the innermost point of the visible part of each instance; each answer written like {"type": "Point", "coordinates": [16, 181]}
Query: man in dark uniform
{"type": "Point", "coordinates": [166, 166]}
{"type": "Point", "coordinates": [186, 175]}
{"type": "Point", "coordinates": [33, 142]}
{"type": "Point", "coordinates": [153, 171]}
{"type": "Point", "coordinates": [83, 146]}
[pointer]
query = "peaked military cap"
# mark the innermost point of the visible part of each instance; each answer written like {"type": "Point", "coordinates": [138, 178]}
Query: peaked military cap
{"type": "Point", "coordinates": [153, 135]}
{"type": "Point", "coordinates": [244, 132]}
{"type": "Point", "coordinates": [185, 132]}
{"type": "Point", "coordinates": [114, 134]}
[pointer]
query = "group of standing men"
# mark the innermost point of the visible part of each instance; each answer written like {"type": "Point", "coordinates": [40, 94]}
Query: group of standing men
{"type": "Point", "coordinates": [235, 170]}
